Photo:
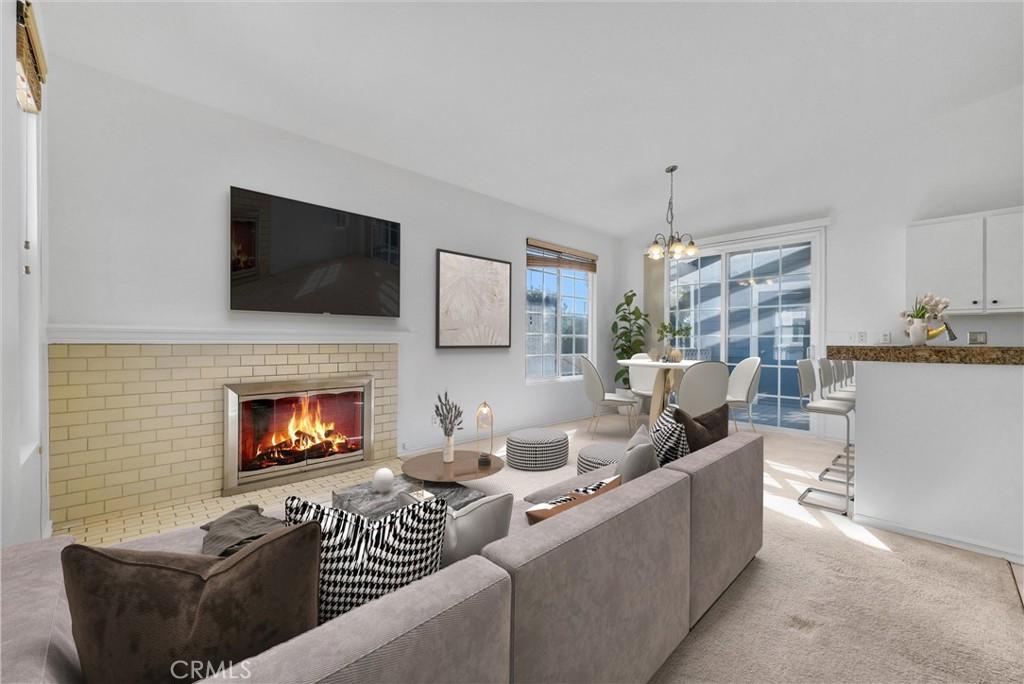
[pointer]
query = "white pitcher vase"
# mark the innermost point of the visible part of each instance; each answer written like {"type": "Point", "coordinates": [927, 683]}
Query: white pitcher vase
{"type": "Point", "coordinates": [918, 332]}
{"type": "Point", "coordinates": [448, 454]}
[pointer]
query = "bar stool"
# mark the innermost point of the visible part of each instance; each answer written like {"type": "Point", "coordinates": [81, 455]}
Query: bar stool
{"type": "Point", "coordinates": [842, 465]}
{"type": "Point", "coordinates": [829, 407]}
{"type": "Point", "coordinates": [851, 383]}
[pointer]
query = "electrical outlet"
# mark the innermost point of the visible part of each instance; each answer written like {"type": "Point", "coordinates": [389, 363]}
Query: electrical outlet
{"type": "Point", "coordinates": [977, 337]}
{"type": "Point", "coordinates": [862, 337]}
{"type": "Point", "coordinates": [433, 420]}
{"type": "Point", "coordinates": [886, 338]}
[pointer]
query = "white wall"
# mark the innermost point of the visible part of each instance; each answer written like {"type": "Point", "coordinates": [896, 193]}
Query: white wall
{"type": "Point", "coordinates": [967, 160]}
{"type": "Point", "coordinates": [139, 216]}
{"type": "Point", "coordinates": [23, 510]}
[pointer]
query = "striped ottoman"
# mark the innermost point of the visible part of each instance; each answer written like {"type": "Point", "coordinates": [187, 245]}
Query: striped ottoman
{"type": "Point", "coordinates": [594, 456]}
{"type": "Point", "coordinates": [537, 449]}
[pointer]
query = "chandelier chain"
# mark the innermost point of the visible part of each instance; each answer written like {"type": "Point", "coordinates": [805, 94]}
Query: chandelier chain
{"type": "Point", "coordinates": [669, 213]}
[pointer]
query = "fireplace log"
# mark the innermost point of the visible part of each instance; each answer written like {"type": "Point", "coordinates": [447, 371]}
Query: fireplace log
{"type": "Point", "coordinates": [320, 450]}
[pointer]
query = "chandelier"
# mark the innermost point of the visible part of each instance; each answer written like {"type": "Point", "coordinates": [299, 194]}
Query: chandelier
{"type": "Point", "coordinates": [677, 245]}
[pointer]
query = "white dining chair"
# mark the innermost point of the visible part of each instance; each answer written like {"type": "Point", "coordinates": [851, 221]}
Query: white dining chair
{"type": "Point", "coordinates": [593, 385]}
{"type": "Point", "coordinates": [641, 378]}
{"type": "Point", "coordinates": [703, 387]}
{"type": "Point", "coordinates": [743, 383]}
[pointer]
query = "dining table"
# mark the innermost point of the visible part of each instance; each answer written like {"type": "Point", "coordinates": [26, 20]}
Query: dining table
{"type": "Point", "coordinates": [664, 380]}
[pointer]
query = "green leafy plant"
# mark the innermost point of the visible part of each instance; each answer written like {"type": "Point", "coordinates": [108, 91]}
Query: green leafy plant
{"type": "Point", "coordinates": [668, 332]}
{"type": "Point", "coordinates": [629, 332]}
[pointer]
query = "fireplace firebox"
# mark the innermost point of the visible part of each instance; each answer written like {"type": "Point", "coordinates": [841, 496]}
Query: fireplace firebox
{"type": "Point", "coordinates": [277, 432]}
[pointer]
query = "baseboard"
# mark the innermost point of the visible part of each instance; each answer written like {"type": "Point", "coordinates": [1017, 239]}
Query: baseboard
{"type": "Point", "coordinates": [1006, 554]}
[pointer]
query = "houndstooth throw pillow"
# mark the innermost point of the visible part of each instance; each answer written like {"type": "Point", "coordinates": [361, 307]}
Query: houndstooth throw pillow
{"type": "Point", "coordinates": [362, 559]}
{"type": "Point", "coordinates": [669, 438]}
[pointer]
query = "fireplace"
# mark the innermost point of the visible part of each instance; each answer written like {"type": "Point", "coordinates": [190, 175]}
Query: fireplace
{"type": "Point", "coordinates": [278, 432]}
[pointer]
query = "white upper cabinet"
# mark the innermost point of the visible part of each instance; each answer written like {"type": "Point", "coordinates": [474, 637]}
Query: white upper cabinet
{"type": "Point", "coordinates": [1004, 262]}
{"type": "Point", "coordinates": [976, 261]}
{"type": "Point", "coordinates": [947, 258]}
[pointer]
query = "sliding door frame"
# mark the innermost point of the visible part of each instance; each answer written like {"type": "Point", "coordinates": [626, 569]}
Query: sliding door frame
{"type": "Point", "coordinates": [813, 232]}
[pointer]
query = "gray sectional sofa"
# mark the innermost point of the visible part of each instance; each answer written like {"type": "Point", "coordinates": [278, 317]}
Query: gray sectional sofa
{"type": "Point", "coordinates": [600, 593]}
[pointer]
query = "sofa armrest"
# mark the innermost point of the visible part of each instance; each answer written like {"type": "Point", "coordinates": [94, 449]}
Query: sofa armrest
{"type": "Point", "coordinates": [550, 492]}
{"type": "Point", "coordinates": [726, 514]}
{"type": "Point", "coordinates": [453, 626]}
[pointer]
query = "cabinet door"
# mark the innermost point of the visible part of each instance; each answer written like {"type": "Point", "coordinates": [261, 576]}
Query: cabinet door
{"type": "Point", "coordinates": [1004, 262]}
{"type": "Point", "coordinates": [947, 258]}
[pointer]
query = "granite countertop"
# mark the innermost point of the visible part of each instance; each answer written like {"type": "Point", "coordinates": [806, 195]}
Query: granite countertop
{"type": "Point", "coordinates": [990, 356]}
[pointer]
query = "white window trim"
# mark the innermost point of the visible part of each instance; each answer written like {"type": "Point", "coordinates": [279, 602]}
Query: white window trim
{"type": "Point", "coordinates": [591, 329]}
{"type": "Point", "coordinates": [814, 232]}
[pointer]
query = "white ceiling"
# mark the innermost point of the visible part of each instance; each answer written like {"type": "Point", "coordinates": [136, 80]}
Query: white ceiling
{"type": "Point", "coordinates": [572, 110]}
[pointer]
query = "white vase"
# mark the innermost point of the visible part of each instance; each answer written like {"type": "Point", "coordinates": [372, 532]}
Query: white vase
{"type": "Point", "coordinates": [448, 455]}
{"type": "Point", "coordinates": [918, 332]}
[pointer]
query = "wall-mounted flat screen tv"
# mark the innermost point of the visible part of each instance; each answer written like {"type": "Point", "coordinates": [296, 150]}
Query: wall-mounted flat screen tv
{"type": "Point", "coordinates": [298, 257]}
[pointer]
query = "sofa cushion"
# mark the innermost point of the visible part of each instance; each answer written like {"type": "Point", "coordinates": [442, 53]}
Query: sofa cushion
{"type": "Point", "coordinates": [705, 429]}
{"type": "Point", "coordinates": [669, 437]}
{"type": "Point", "coordinates": [235, 529]}
{"type": "Point", "coordinates": [640, 437]}
{"type": "Point", "coordinates": [34, 621]}
{"type": "Point", "coordinates": [564, 502]}
{"type": "Point", "coordinates": [362, 559]}
{"type": "Point", "coordinates": [473, 526]}
{"type": "Point", "coordinates": [639, 460]}
{"type": "Point", "coordinates": [134, 614]}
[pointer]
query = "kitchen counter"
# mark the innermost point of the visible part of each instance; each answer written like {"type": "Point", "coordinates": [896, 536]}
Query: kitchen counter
{"type": "Point", "coordinates": [940, 449]}
{"type": "Point", "coordinates": [981, 355]}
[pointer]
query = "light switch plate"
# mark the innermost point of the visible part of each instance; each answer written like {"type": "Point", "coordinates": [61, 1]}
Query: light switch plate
{"type": "Point", "coordinates": [977, 337]}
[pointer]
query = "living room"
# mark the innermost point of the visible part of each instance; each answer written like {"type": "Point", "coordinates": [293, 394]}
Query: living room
{"type": "Point", "coordinates": [526, 255]}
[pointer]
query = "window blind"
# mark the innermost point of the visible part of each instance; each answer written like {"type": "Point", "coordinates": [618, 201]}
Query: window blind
{"type": "Point", "coordinates": [30, 59]}
{"type": "Point", "coordinates": [541, 253]}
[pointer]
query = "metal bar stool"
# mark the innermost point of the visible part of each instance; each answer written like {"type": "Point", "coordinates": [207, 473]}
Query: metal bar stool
{"type": "Point", "coordinates": [826, 499]}
{"type": "Point", "coordinates": [842, 465]}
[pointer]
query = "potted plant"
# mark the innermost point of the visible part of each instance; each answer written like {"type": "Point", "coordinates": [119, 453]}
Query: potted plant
{"type": "Point", "coordinates": [629, 332]}
{"type": "Point", "coordinates": [449, 415]}
{"type": "Point", "coordinates": [668, 332]}
{"type": "Point", "coordinates": [927, 308]}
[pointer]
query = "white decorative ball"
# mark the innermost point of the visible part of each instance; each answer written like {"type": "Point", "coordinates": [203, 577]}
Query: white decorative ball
{"type": "Point", "coordinates": [383, 479]}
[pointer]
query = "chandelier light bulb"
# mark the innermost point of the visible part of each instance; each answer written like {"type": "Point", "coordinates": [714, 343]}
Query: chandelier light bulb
{"type": "Point", "coordinates": [656, 251]}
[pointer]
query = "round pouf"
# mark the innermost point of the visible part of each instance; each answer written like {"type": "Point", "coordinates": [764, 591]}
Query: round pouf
{"type": "Point", "coordinates": [537, 449]}
{"type": "Point", "coordinates": [594, 456]}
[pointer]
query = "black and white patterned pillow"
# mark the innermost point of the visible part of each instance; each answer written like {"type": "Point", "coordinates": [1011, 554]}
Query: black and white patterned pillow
{"type": "Point", "coordinates": [362, 559]}
{"type": "Point", "coordinates": [591, 488]}
{"type": "Point", "coordinates": [669, 438]}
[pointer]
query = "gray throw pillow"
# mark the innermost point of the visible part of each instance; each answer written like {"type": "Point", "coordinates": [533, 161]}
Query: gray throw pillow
{"type": "Point", "coordinates": [638, 461]}
{"type": "Point", "coordinates": [641, 436]}
{"type": "Point", "coordinates": [474, 526]}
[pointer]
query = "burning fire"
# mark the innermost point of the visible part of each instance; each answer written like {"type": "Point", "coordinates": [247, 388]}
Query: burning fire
{"type": "Point", "coordinates": [306, 431]}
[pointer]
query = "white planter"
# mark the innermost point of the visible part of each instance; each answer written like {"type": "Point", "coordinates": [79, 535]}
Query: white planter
{"type": "Point", "coordinates": [448, 455]}
{"type": "Point", "coordinates": [625, 394]}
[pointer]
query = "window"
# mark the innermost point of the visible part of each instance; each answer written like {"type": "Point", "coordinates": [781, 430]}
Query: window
{"type": "Point", "coordinates": [749, 302]}
{"type": "Point", "coordinates": [559, 302]}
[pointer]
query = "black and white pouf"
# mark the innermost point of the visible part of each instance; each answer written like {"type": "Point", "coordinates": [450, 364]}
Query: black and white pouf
{"type": "Point", "coordinates": [594, 456]}
{"type": "Point", "coordinates": [537, 449]}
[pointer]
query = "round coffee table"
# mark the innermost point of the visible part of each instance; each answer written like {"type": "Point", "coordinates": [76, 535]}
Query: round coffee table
{"type": "Point", "coordinates": [430, 468]}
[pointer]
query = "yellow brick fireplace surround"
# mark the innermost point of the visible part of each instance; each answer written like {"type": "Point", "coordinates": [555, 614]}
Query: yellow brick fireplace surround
{"type": "Point", "coordinates": [137, 427]}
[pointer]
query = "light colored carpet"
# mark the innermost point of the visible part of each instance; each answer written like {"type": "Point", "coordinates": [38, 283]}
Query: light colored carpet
{"type": "Point", "coordinates": [828, 600]}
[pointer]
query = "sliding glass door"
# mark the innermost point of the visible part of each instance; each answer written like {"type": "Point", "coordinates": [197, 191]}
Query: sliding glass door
{"type": "Point", "coordinates": [744, 302]}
